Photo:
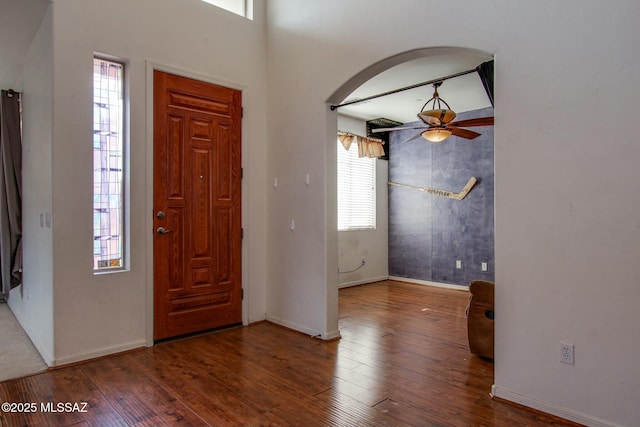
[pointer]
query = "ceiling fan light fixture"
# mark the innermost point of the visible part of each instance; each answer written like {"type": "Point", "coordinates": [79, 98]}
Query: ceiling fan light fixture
{"type": "Point", "coordinates": [436, 134]}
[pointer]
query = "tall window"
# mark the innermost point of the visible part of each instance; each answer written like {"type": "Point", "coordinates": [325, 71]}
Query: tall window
{"type": "Point", "coordinates": [108, 173]}
{"type": "Point", "coordinates": [239, 7]}
{"type": "Point", "coordinates": [356, 190]}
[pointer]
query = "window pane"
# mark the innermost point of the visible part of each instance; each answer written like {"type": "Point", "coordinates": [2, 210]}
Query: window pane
{"type": "Point", "coordinates": [356, 190]}
{"type": "Point", "coordinates": [108, 177]}
{"type": "Point", "coordinates": [236, 6]}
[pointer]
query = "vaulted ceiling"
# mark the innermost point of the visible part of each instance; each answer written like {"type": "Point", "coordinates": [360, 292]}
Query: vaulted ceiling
{"type": "Point", "coordinates": [20, 20]}
{"type": "Point", "coordinates": [19, 23]}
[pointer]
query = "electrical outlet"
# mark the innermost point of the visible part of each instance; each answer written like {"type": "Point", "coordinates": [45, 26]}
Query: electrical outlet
{"type": "Point", "coordinates": [566, 353]}
{"type": "Point", "coordinates": [458, 264]}
{"type": "Point", "coordinates": [484, 266]}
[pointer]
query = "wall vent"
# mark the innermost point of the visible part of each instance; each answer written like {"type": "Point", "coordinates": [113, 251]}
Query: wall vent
{"type": "Point", "coordinates": [384, 136]}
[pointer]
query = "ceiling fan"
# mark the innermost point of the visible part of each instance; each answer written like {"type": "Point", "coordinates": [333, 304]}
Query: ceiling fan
{"type": "Point", "coordinates": [439, 121]}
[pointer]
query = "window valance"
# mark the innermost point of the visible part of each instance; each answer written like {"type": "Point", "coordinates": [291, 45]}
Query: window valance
{"type": "Point", "coordinates": [367, 147]}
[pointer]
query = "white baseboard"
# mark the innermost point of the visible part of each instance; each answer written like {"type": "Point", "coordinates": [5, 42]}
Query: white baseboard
{"type": "Point", "coordinates": [550, 408]}
{"type": "Point", "coordinates": [331, 335]}
{"type": "Point", "coordinates": [41, 349]}
{"type": "Point", "coordinates": [362, 282]}
{"type": "Point", "coordinates": [290, 325]}
{"type": "Point", "coordinates": [260, 318]}
{"type": "Point", "coordinates": [99, 353]}
{"type": "Point", "coordinates": [428, 283]}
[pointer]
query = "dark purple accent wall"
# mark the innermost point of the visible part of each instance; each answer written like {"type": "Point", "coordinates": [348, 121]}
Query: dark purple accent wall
{"type": "Point", "coordinates": [428, 233]}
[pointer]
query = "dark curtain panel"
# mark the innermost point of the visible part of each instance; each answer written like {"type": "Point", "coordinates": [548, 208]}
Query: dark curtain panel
{"type": "Point", "coordinates": [485, 71]}
{"type": "Point", "coordinates": [10, 192]}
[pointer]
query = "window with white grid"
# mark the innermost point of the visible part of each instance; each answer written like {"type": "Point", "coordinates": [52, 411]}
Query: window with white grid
{"type": "Point", "coordinates": [356, 190]}
{"type": "Point", "coordinates": [108, 165]}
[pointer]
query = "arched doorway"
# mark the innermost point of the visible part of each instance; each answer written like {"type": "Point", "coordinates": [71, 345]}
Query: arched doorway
{"type": "Point", "coordinates": [433, 63]}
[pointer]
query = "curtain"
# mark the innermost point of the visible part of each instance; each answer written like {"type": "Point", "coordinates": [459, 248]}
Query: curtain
{"type": "Point", "coordinates": [485, 71]}
{"type": "Point", "coordinates": [10, 192]}
{"type": "Point", "coordinates": [367, 147]}
{"type": "Point", "coordinates": [346, 139]}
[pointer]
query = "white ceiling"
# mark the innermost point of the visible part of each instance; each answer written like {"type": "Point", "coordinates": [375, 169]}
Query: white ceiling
{"type": "Point", "coordinates": [464, 93]}
{"type": "Point", "coordinates": [19, 22]}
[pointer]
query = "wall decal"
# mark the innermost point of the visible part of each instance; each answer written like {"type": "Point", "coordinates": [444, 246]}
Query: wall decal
{"type": "Point", "coordinates": [456, 196]}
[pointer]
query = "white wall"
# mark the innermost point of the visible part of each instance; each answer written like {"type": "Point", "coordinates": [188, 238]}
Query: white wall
{"type": "Point", "coordinates": [370, 245]}
{"type": "Point", "coordinates": [567, 201]}
{"type": "Point", "coordinates": [567, 204]}
{"type": "Point", "coordinates": [100, 314]}
{"type": "Point", "coordinates": [32, 303]}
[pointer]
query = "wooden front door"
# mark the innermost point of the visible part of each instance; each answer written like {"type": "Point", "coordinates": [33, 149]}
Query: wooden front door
{"type": "Point", "coordinates": [197, 220]}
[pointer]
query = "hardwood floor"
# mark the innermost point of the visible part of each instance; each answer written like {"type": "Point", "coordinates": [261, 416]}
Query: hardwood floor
{"type": "Point", "coordinates": [402, 360]}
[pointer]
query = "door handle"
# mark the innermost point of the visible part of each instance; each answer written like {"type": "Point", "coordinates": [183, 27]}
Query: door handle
{"type": "Point", "coordinates": [162, 230]}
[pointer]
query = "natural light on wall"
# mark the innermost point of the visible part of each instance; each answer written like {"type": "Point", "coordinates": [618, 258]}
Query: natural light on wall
{"type": "Point", "coordinates": [239, 7]}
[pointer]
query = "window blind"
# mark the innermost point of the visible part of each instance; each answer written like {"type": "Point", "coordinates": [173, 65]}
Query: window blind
{"type": "Point", "coordinates": [356, 190]}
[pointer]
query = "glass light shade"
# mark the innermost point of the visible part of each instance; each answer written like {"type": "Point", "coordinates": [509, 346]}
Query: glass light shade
{"type": "Point", "coordinates": [436, 134]}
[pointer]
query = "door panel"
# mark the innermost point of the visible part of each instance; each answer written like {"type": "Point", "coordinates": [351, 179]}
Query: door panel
{"type": "Point", "coordinates": [197, 180]}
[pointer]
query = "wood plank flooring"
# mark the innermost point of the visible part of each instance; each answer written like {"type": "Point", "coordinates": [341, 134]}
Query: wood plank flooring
{"type": "Point", "coordinates": [402, 360]}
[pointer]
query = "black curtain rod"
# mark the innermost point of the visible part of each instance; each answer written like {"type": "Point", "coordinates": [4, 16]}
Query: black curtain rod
{"type": "Point", "coordinates": [11, 93]}
{"type": "Point", "coordinates": [391, 92]}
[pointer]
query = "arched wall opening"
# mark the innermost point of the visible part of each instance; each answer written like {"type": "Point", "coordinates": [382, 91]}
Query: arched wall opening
{"type": "Point", "coordinates": [334, 250]}
{"type": "Point", "coordinates": [373, 70]}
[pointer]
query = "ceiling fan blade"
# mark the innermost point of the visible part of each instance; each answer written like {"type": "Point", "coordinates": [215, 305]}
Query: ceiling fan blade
{"type": "Point", "coordinates": [397, 128]}
{"type": "Point", "coordinates": [463, 133]}
{"type": "Point", "coordinates": [411, 138]}
{"type": "Point", "coordinates": [480, 121]}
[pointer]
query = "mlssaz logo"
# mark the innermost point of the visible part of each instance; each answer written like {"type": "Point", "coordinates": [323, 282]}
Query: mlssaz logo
{"type": "Point", "coordinates": [63, 407]}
